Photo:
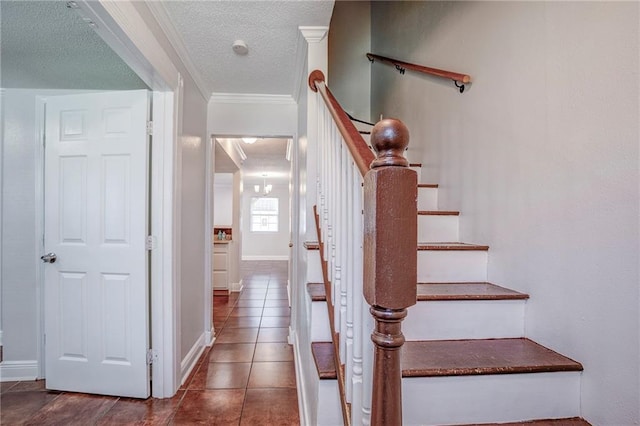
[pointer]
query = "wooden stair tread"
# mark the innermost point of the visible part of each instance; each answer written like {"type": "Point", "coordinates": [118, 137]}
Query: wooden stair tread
{"type": "Point", "coordinates": [323, 357]}
{"type": "Point", "coordinates": [427, 185]}
{"type": "Point", "coordinates": [438, 213]}
{"type": "Point", "coordinates": [434, 358]}
{"type": "Point", "coordinates": [312, 245]}
{"type": "Point", "coordinates": [452, 246]}
{"type": "Point", "coordinates": [442, 291]}
{"type": "Point", "coordinates": [466, 291]}
{"type": "Point", "coordinates": [317, 292]}
{"type": "Point", "coordinates": [571, 421]}
{"type": "Point", "coordinates": [480, 357]}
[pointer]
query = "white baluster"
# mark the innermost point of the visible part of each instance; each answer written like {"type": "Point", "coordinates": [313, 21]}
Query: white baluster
{"type": "Point", "coordinates": [349, 278]}
{"type": "Point", "coordinates": [342, 194]}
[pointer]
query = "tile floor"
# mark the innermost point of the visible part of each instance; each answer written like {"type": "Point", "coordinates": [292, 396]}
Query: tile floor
{"type": "Point", "coordinates": [246, 378]}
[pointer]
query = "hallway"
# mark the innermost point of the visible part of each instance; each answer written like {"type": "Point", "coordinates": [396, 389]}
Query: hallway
{"type": "Point", "coordinates": [246, 378]}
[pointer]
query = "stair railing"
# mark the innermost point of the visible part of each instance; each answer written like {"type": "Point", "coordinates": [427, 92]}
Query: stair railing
{"type": "Point", "coordinates": [367, 217]}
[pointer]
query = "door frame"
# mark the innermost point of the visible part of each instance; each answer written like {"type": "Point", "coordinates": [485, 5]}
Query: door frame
{"type": "Point", "coordinates": [123, 28]}
{"type": "Point", "coordinates": [294, 213]}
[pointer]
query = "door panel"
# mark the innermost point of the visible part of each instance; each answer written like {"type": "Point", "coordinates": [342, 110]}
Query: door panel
{"type": "Point", "coordinates": [96, 292]}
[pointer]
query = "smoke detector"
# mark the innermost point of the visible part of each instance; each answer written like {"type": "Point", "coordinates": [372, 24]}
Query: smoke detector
{"type": "Point", "coordinates": [240, 47]}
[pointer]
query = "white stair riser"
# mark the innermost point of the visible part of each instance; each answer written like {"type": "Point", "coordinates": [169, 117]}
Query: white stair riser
{"type": "Point", "coordinates": [314, 268]}
{"type": "Point", "coordinates": [320, 330]}
{"type": "Point", "coordinates": [434, 228]}
{"type": "Point", "coordinates": [329, 407]}
{"type": "Point", "coordinates": [427, 198]}
{"type": "Point", "coordinates": [464, 319]}
{"type": "Point", "coordinates": [452, 265]}
{"type": "Point", "coordinates": [490, 398]}
{"type": "Point", "coordinates": [418, 171]}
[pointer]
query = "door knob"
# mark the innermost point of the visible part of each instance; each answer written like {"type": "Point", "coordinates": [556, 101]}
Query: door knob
{"type": "Point", "coordinates": [290, 245]}
{"type": "Point", "coordinates": [49, 258]}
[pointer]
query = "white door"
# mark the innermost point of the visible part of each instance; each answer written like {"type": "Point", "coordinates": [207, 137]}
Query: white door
{"type": "Point", "coordinates": [96, 289]}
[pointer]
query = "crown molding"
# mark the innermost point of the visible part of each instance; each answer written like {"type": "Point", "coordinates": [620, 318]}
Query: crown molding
{"type": "Point", "coordinates": [314, 34]}
{"type": "Point", "coordinates": [251, 98]}
{"type": "Point", "coordinates": [124, 30]}
{"type": "Point", "coordinates": [161, 15]}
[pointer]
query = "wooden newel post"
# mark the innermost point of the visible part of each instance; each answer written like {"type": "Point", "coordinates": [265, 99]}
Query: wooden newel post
{"type": "Point", "coordinates": [390, 261]}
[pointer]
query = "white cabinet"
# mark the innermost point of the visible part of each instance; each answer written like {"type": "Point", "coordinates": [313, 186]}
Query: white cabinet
{"type": "Point", "coordinates": [221, 258]}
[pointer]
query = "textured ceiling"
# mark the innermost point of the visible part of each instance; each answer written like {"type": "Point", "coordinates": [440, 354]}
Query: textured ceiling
{"type": "Point", "coordinates": [46, 45]}
{"type": "Point", "coordinates": [270, 28]}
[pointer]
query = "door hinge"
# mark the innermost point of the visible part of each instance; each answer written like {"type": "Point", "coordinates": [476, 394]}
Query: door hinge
{"type": "Point", "coordinates": [152, 356]}
{"type": "Point", "coordinates": [149, 127]}
{"type": "Point", "coordinates": [150, 242]}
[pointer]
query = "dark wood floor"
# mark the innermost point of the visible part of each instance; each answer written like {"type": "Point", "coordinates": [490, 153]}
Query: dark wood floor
{"type": "Point", "coordinates": [246, 378]}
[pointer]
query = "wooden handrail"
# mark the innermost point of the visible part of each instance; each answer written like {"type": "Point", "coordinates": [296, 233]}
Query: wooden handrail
{"type": "Point", "coordinates": [387, 214]}
{"type": "Point", "coordinates": [401, 66]}
{"type": "Point", "coordinates": [359, 149]}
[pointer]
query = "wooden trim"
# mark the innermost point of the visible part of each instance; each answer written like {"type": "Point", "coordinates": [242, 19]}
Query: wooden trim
{"type": "Point", "coordinates": [346, 414]}
{"type": "Point", "coordinates": [438, 213]}
{"type": "Point", "coordinates": [362, 155]}
{"type": "Point", "coordinates": [463, 78]}
{"type": "Point", "coordinates": [390, 261]}
{"type": "Point", "coordinates": [311, 245]}
{"type": "Point", "coordinates": [445, 246]}
{"type": "Point", "coordinates": [466, 291]}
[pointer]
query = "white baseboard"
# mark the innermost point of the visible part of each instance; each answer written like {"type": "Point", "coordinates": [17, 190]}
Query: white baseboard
{"type": "Point", "coordinates": [303, 406]}
{"type": "Point", "coordinates": [291, 338]}
{"type": "Point", "coordinates": [266, 257]}
{"type": "Point", "coordinates": [209, 337]}
{"type": "Point", "coordinates": [13, 371]}
{"type": "Point", "coordinates": [191, 359]}
{"type": "Point", "coordinates": [237, 287]}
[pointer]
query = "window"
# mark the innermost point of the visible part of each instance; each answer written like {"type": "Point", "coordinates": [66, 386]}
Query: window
{"type": "Point", "coordinates": [264, 214]}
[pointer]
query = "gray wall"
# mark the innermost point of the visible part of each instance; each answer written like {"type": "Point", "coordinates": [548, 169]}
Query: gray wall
{"type": "Point", "coordinates": [191, 199]}
{"type": "Point", "coordinates": [19, 282]}
{"type": "Point", "coordinates": [192, 188]}
{"type": "Point", "coordinates": [540, 154]}
{"type": "Point", "coordinates": [349, 69]}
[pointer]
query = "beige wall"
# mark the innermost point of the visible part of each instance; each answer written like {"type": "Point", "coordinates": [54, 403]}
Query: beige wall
{"type": "Point", "coordinates": [190, 195]}
{"type": "Point", "coordinates": [266, 245]}
{"type": "Point", "coordinates": [540, 154]}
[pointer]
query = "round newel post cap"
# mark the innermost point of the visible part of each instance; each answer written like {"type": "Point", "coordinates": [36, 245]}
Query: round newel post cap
{"type": "Point", "coordinates": [316, 75]}
{"type": "Point", "coordinates": [389, 139]}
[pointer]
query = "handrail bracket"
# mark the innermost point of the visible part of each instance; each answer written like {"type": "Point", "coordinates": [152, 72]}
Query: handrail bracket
{"type": "Point", "coordinates": [459, 86]}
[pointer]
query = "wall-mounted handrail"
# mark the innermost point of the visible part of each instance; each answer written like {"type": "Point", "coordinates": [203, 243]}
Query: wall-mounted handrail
{"type": "Point", "coordinates": [459, 79]}
{"type": "Point", "coordinates": [357, 146]}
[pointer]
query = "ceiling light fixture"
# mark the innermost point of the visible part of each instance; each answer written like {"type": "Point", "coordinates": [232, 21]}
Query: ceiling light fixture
{"type": "Point", "coordinates": [266, 187]}
{"type": "Point", "coordinates": [240, 47]}
{"type": "Point", "coordinates": [249, 141]}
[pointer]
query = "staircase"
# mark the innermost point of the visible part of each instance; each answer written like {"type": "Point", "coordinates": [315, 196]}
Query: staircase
{"type": "Point", "coordinates": [385, 253]}
{"type": "Point", "coordinates": [466, 359]}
